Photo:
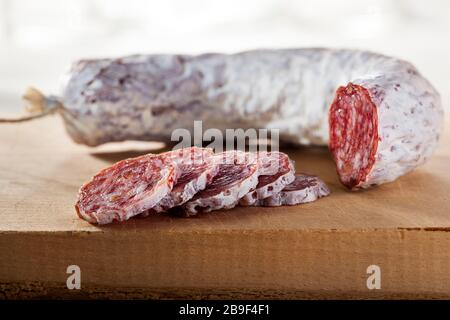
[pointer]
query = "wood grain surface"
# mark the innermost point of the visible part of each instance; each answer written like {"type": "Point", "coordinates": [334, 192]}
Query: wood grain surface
{"type": "Point", "coordinates": [316, 249]}
{"type": "Point", "coordinates": [41, 170]}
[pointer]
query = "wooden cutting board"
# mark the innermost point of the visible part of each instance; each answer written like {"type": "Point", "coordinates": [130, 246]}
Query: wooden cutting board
{"type": "Point", "coordinates": [321, 249]}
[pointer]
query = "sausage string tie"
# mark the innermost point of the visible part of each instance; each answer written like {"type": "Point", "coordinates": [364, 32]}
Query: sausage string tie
{"type": "Point", "coordinates": [38, 106]}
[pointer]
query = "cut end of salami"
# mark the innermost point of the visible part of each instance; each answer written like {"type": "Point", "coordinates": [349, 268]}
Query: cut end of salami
{"type": "Point", "coordinates": [126, 189]}
{"type": "Point", "coordinates": [353, 125]}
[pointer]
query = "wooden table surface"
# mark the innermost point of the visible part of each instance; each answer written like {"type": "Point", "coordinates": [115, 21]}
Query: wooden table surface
{"type": "Point", "coordinates": [41, 170]}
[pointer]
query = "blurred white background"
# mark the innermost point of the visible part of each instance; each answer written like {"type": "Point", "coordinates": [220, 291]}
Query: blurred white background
{"type": "Point", "coordinates": [39, 39]}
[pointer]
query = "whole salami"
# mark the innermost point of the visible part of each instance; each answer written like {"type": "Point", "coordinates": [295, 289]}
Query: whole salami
{"type": "Point", "coordinates": [385, 117]}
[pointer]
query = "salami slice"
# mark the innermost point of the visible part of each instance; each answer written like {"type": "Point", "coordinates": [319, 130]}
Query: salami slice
{"type": "Point", "coordinates": [236, 176]}
{"type": "Point", "coordinates": [126, 189]}
{"type": "Point", "coordinates": [305, 188]}
{"type": "Point", "coordinates": [276, 171]}
{"type": "Point", "coordinates": [197, 169]}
